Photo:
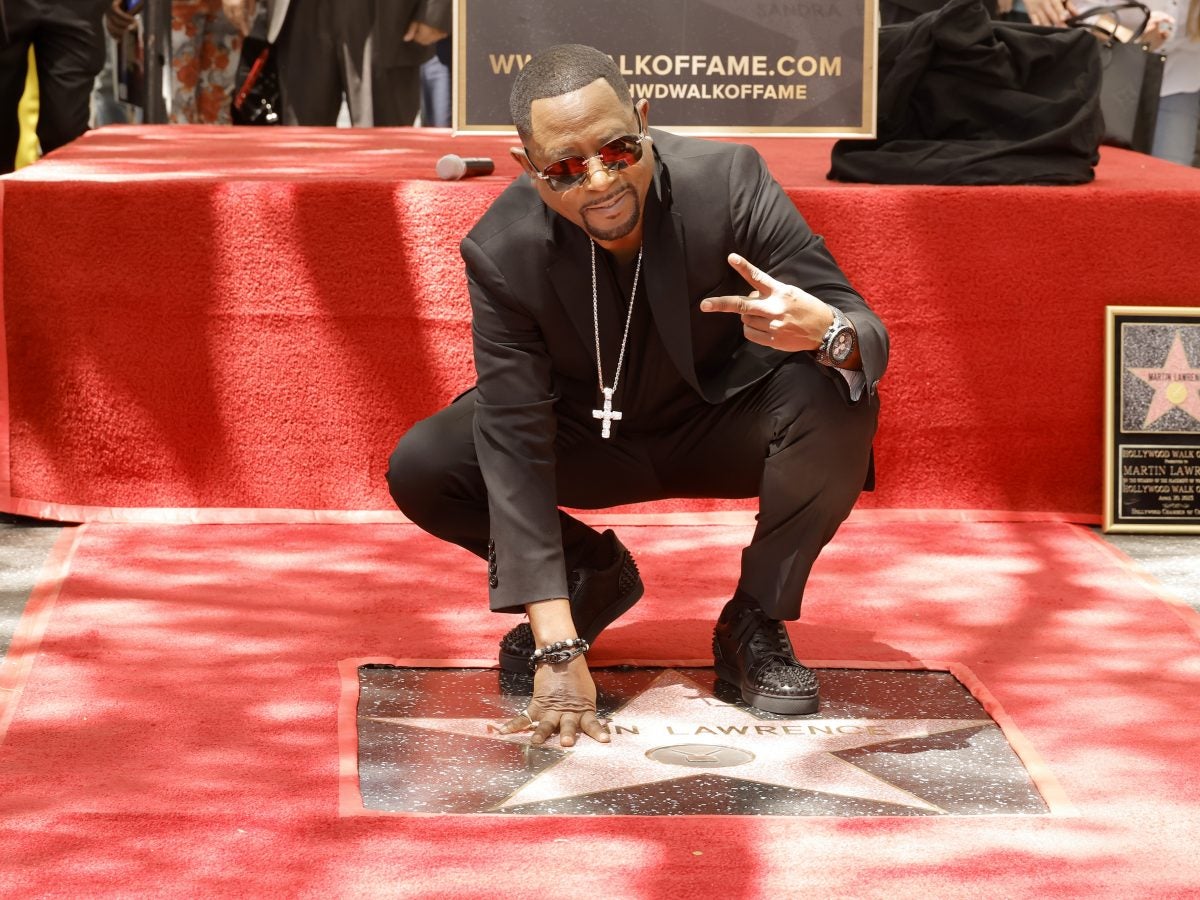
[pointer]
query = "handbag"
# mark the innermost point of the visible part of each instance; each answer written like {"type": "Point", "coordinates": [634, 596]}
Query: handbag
{"type": "Point", "coordinates": [256, 98]}
{"type": "Point", "coordinates": [1132, 76]}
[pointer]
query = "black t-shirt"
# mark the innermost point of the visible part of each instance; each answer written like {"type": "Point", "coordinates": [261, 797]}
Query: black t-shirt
{"type": "Point", "coordinates": [651, 394]}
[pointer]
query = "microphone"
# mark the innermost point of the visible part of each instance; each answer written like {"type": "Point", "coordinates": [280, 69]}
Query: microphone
{"type": "Point", "coordinates": [451, 167]}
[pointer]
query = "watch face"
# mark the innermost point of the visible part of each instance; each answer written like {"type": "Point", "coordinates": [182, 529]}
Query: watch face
{"type": "Point", "coordinates": [842, 345]}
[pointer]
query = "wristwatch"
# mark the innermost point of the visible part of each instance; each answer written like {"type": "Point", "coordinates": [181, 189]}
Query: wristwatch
{"type": "Point", "coordinates": [839, 341]}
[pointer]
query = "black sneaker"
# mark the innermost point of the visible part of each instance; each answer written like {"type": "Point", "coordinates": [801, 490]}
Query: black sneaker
{"type": "Point", "coordinates": [753, 653]}
{"type": "Point", "coordinates": [598, 598]}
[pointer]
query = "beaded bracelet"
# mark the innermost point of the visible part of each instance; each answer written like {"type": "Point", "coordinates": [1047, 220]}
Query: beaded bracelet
{"type": "Point", "coordinates": [558, 652]}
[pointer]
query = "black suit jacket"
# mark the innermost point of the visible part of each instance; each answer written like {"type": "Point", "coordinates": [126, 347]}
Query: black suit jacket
{"type": "Point", "coordinates": [530, 284]}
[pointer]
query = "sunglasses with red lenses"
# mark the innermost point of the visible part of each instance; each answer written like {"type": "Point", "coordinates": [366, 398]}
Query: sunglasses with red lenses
{"type": "Point", "coordinates": [619, 153]}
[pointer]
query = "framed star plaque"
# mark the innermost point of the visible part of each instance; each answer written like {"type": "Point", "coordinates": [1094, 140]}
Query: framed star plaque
{"type": "Point", "coordinates": [1152, 419]}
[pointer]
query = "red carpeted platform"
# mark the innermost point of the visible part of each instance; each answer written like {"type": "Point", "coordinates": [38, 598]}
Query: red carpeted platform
{"type": "Point", "coordinates": [229, 324]}
{"type": "Point", "coordinates": [171, 701]}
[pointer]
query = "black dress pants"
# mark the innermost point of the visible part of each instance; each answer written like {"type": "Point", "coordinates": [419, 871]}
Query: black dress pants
{"type": "Point", "coordinates": [329, 49]}
{"type": "Point", "coordinates": [792, 440]}
{"type": "Point", "coordinates": [68, 44]}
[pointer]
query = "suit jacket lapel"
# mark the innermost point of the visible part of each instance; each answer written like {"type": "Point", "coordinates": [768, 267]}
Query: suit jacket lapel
{"type": "Point", "coordinates": [570, 272]}
{"type": "Point", "coordinates": [666, 274]}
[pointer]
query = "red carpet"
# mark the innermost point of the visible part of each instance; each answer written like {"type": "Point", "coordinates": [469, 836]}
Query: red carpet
{"type": "Point", "coordinates": [173, 729]}
{"type": "Point", "coordinates": [231, 320]}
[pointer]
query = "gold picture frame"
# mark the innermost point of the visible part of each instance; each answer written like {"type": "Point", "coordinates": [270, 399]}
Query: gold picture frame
{"type": "Point", "coordinates": [1152, 420]}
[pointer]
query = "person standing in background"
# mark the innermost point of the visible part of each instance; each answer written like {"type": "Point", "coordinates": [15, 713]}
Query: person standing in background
{"type": "Point", "coordinates": [368, 51]}
{"type": "Point", "coordinates": [68, 42]}
{"type": "Point", "coordinates": [437, 86]}
{"type": "Point", "coordinates": [204, 57]}
{"type": "Point", "coordinates": [1179, 107]}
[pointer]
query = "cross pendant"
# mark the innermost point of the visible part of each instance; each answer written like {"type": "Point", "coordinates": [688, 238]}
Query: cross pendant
{"type": "Point", "coordinates": [608, 414]}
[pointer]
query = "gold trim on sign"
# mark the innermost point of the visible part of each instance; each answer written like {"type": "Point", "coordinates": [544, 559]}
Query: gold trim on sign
{"type": "Point", "coordinates": [1113, 374]}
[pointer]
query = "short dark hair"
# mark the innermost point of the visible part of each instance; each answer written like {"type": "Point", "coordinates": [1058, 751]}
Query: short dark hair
{"type": "Point", "coordinates": [557, 71]}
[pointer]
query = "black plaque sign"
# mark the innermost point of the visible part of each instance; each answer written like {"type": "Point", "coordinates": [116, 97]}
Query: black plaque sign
{"type": "Point", "coordinates": [734, 67]}
{"type": "Point", "coordinates": [1152, 420]}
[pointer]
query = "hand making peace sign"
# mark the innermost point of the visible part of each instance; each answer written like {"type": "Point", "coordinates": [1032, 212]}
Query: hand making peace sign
{"type": "Point", "coordinates": [775, 314]}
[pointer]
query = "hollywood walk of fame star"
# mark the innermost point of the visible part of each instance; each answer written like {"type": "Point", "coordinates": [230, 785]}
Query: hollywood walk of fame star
{"type": "Point", "coordinates": [673, 730]}
{"type": "Point", "coordinates": [1176, 385]}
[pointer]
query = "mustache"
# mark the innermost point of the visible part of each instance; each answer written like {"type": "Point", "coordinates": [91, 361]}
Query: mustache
{"type": "Point", "coordinates": [608, 198]}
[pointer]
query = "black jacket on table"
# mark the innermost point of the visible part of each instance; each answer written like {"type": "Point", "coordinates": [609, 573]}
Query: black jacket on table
{"type": "Point", "coordinates": [531, 297]}
{"type": "Point", "coordinates": [966, 100]}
